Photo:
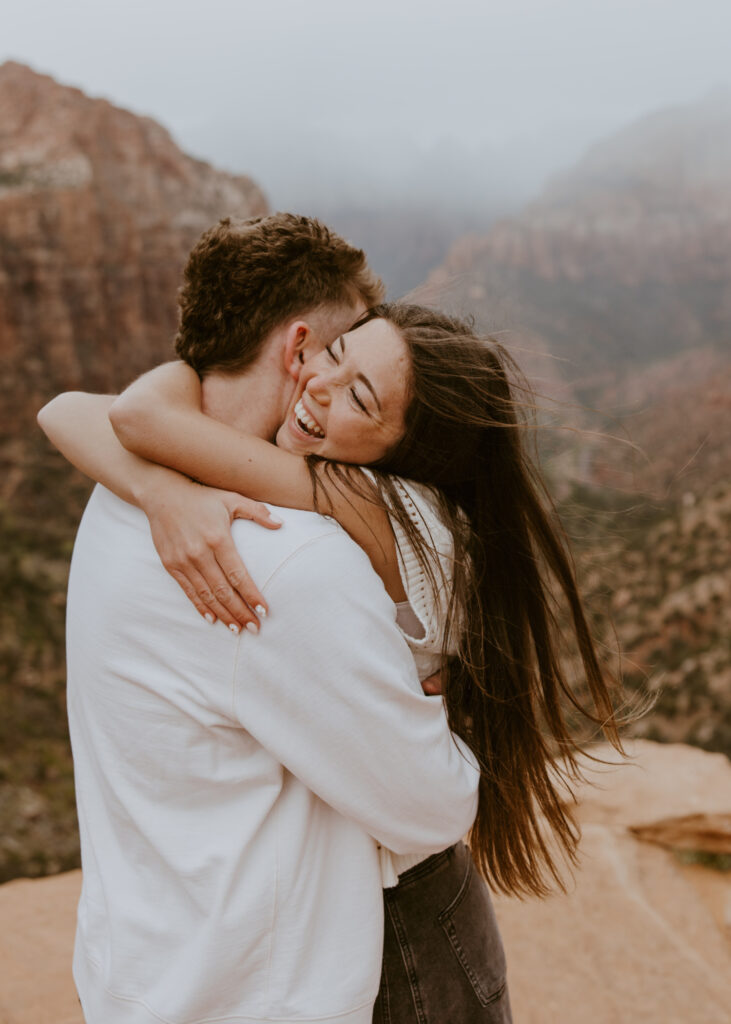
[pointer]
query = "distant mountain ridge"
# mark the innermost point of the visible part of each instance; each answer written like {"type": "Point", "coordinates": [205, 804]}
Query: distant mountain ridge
{"type": "Point", "coordinates": [686, 147]}
{"type": "Point", "coordinates": [614, 292]}
{"type": "Point", "coordinates": [624, 260]}
{"type": "Point", "coordinates": [98, 208]}
{"type": "Point", "coordinates": [617, 284]}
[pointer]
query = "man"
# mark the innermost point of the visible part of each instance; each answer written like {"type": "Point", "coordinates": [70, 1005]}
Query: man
{"type": "Point", "coordinates": [232, 788]}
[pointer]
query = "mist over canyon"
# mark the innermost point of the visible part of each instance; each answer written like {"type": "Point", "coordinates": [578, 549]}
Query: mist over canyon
{"type": "Point", "coordinates": [612, 288]}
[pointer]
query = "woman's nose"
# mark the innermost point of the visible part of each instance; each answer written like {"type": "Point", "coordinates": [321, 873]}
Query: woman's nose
{"type": "Point", "coordinates": [319, 387]}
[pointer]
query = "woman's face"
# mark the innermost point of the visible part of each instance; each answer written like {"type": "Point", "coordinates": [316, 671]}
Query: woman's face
{"type": "Point", "coordinates": [350, 401]}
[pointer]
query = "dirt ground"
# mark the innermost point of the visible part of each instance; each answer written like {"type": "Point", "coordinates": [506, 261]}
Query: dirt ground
{"type": "Point", "coordinates": [641, 936]}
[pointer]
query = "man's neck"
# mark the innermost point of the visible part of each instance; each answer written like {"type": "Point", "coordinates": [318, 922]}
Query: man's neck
{"type": "Point", "coordinates": [253, 401]}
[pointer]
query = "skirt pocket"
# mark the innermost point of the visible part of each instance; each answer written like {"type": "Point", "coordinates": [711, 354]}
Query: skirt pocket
{"type": "Point", "coordinates": [472, 930]}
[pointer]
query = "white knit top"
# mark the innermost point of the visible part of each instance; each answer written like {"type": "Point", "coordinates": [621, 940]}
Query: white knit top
{"type": "Point", "coordinates": [429, 607]}
{"type": "Point", "coordinates": [423, 617]}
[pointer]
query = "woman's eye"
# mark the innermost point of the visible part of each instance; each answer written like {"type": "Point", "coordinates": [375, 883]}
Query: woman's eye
{"type": "Point", "coordinates": [357, 401]}
{"type": "Point", "coordinates": [329, 350]}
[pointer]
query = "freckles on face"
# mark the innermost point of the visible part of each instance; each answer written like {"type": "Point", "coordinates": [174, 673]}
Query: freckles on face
{"type": "Point", "coordinates": [351, 400]}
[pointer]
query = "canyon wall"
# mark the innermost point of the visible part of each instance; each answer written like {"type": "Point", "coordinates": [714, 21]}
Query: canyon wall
{"type": "Point", "coordinates": [98, 208]}
{"type": "Point", "coordinates": [613, 291]}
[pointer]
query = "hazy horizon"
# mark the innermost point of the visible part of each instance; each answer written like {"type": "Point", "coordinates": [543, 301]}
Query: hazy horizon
{"type": "Point", "coordinates": [473, 104]}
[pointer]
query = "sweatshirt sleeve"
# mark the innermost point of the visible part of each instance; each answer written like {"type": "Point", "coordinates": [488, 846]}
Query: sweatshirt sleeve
{"type": "Point", "coordinates": [329, 687]}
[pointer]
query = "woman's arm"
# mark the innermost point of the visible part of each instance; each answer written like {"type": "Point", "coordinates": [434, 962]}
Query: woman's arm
{"type": "Point", "coordinates": [78, 425]}
{"type": "Point", "coordinates": [159, 417]}
{"type": "Point", "coordinates": [190, 524]}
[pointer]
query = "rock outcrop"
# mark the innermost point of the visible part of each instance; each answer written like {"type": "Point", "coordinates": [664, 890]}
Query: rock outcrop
{"type": "Point", "coordinates": [700, 833]}
{"type": "Point", "coordinates": [643, 935]}
{"type": "Point", "coordinates": [98, 208]}
{"type": "Point", "coordinates": [640, 936]}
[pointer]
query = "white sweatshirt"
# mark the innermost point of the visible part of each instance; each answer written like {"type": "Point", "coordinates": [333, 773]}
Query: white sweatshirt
{"type": "Point", "coordinates": [229, 787]}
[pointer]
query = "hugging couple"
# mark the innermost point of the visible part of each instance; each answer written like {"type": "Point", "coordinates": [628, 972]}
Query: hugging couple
{"type": "Point", "coordinates": [285, 717]}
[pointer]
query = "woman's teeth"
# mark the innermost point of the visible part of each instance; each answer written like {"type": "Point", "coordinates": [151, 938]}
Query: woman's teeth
{"type": "Point", "coordinates": [305, 421]}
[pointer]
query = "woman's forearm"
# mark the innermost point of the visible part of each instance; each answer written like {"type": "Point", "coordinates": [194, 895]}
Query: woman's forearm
{"type": "Point", "coordinates": [78, 425]}
{"type": "Point", "coordinates": [190, 525]}
{"type": "Point", "coordinates": [159, 417]}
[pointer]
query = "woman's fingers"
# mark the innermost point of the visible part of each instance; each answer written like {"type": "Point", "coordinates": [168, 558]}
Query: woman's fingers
{"type": "Point", "coordinates": [257, 511]}
{"type": "Point", "coordinates": [215, 590]}
{"type": "Point", "coordinates": [222, 601]}
{"type": "Point", "coordinates": [190, 592]}
{"type": "Point", "coordinates": [432, 686]}
{"type": "Point", "coordinates": [238, 576]}
{"type": "Point", "coordinates": [196, 547]}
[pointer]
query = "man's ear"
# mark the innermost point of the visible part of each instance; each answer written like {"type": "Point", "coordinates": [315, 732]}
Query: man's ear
{"type": "Point", "coordinates": [299, 344]}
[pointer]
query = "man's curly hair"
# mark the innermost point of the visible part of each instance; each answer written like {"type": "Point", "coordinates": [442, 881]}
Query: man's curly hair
{"type": "Point", "coordinates": [246, 277]}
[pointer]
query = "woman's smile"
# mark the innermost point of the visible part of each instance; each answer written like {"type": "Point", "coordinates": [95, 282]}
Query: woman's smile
{"type": "Point", "coordinates": [350, 404]}
{"type": "Point", "coordinates": [305, 421]}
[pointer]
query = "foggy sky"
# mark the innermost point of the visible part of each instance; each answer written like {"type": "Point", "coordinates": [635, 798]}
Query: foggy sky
{"type": "Point", "coordinates": [341, 100]}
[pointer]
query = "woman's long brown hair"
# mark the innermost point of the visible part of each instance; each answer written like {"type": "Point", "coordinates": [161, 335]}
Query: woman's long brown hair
{"type": "Point", "coordinates": [506, 690]}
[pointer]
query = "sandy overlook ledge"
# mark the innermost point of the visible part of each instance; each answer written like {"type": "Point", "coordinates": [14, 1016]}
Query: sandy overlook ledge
{"type": "Point", "coordinates": [641, 936]}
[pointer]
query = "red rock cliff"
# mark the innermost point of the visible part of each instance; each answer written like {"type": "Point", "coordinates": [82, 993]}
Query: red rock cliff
{"type": "Point", "coordinates": [98, 208]}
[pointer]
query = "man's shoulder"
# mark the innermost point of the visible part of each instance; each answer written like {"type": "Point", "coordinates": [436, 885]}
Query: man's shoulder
{"type": "Point", "coordinates": [107, 514]}
{"type": "Point", "coordinates": [303, 537]}
{"type": "Point", "coordinates": [298, 528]}
{"type": "Point", "coordinates": [305, 543]}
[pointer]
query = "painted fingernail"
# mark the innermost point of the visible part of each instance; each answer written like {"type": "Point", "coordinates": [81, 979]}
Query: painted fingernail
{"type": "Point", "coordinates": [252, 627]}
{"type": "Point", "coordinates": [261, 611]}
{"type": "Point", "coordinates": [234, 628]}
{"type": "Point", "coordinates": [209, 618]}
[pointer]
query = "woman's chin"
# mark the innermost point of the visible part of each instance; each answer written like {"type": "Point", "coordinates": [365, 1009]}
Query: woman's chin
{"type": "Point", "coordinates": [286, 444]}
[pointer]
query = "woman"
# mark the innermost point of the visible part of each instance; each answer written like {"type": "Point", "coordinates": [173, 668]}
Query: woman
{"type": "Point", "coordinates": [466, 542]}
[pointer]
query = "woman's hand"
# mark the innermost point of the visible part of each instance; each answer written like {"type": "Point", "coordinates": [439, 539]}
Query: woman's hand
{"type": "Point", "coordinates": [432, 686]}
{"type": "Point", "coordinates": [191, 530]}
